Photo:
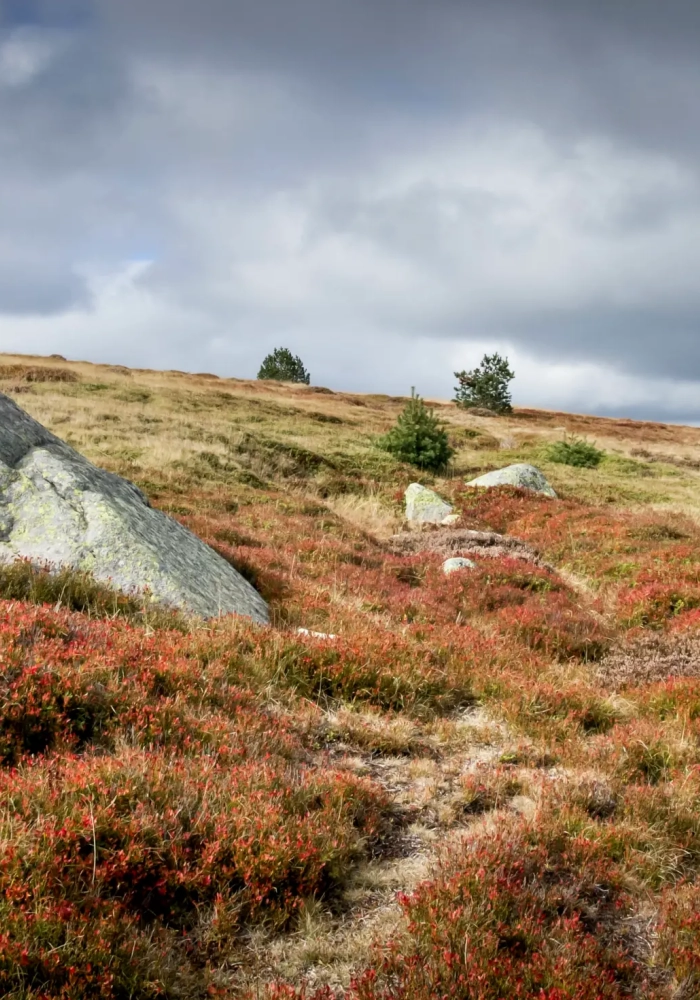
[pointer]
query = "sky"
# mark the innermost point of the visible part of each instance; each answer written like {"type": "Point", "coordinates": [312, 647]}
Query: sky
{"type": "Point", "coordinates": [390, 188]}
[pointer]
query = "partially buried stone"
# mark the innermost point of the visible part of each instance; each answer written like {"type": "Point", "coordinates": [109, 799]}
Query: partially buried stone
{"type": "Point", "coordinates": [456, 564]}
{"type": "Point", "coordinates": [59, 510]}
{"type": "Point", "coordinates": [423, 506]}
{"type": "Point", "coordinates": [525, 476]}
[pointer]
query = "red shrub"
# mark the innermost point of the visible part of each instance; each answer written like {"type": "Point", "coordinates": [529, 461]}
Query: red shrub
{"type": "Point", "coordinates": [653, 605]}
{"type": "Point", "coordinates": [517, 917]}
{"type": "Point", "coordinates": [679, 935]}
{"type": "Point", "coordinates": [500, 507]}
{"type": "Point", "coordinates": [558, 628]}
{"type": "Point", "coordinates": [101, 841]}
{"type": "Point", "coordinates": [68, 683]}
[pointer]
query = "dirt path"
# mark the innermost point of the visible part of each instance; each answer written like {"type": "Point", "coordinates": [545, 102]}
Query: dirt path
{"type": "Point", "coordinates": [430, 810]}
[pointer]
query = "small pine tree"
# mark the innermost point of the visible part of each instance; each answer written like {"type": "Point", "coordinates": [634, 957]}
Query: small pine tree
{"type": "Point", "coordinates": [283, 366]}
{"type": "Point", "coordinates": [418, 437]}
{"type": "Point", "coordinates": [486, 385]}
{"type": "Point", "coordinates": [575, 451]}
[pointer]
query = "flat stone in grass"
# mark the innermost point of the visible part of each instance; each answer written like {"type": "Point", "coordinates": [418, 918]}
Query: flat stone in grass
{"type": "Point", "coordinates": [423, 506]}
{"type": "Point", "coordinates": [457, 564]}
{"type": "Point", "coordinates": [451, 520]}
{"type": "Point", "coordinates": [525, 476]}
{"type": "Point", "coordinates": [57, 509]}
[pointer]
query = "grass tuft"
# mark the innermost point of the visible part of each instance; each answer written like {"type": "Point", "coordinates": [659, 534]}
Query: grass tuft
{"type": "Point", "coordinates": [79, 591]}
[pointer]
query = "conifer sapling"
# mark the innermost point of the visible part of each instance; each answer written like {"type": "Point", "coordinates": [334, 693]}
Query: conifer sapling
{"type": "Point", "coordinates": [418, 437]}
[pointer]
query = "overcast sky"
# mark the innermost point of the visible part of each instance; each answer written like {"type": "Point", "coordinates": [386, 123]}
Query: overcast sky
{"type": "Point", "coordinates": [388, 187]}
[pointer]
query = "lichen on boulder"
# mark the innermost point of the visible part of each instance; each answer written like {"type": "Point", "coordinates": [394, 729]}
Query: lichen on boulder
{"type": "Point", "coordinates": [527, 477]}
{"type": "Point", "coordinates": [423, 506]}
{"type": "Point", "coordinates": [59, 510]}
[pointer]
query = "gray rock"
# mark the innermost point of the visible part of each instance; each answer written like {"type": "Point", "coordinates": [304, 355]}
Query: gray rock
{"type": "Point", "coordinates": [525, 476]}
{"type": "Point", "coordinates": [457, 563]}
{"type": "Point", "coordinates": [423, 506]}
{"type": "Point", "coordinates": [58, 509]}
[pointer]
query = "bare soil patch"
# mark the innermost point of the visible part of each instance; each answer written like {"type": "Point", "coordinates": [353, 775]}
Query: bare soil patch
{"type": "Point", "coordinates": [430, 814]}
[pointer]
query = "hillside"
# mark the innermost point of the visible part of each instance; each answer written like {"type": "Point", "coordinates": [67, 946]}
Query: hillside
{"type": "Point", "coordinates": [478, 786]}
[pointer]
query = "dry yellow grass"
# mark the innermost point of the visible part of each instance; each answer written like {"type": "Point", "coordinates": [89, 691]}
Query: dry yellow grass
{"type": "Point", "coordinates": [161, 424]}
{"type": "Point", "coordinates": [368, 513]}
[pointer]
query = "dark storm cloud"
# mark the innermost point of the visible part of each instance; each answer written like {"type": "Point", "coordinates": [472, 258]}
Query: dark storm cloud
{"type": "Point", "coordinates": [347, 172]}
{"type": "Point", "coordinates": [627, 66]}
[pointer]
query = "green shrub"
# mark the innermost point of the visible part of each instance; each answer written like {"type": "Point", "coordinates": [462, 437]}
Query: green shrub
{"type": "Point", "coordinates": [486, 386]}
{"type": "Point", "coordinates": [575, 451]}
{"type": "Point", "coordinates": [284, 366]}
{"type": "Point", "coordinates": [418, 437]}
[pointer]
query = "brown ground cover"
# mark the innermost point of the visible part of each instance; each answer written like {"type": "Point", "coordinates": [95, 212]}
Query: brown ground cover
{"type": "Point", "coordinates": [447, 542]}
{"type": "Point", "coordinates": [649, 657]}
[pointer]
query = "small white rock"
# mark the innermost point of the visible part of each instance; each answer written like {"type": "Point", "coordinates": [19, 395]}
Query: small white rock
{"type": "Point", "coordinates": [457, 563]}
{"type": "Point", "coordinates": [316, 635]}
{"type": "Point", "coordinates": [450, 520]}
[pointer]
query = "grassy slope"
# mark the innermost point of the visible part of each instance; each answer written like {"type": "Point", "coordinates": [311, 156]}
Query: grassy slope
{"type": "Point", "coordinates": [193, 810]}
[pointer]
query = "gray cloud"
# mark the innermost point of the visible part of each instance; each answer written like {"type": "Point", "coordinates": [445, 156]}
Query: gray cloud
{"type": "Point", "coordinates": [391, 179]}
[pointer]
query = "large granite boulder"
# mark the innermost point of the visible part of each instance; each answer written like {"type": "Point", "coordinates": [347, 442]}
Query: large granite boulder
{"type": "Point", "coordinates": [57, 508]}
{"type": "Point", "coordinates": [527, 477]}
{"type": "Point", "coordinates": [423, 506]}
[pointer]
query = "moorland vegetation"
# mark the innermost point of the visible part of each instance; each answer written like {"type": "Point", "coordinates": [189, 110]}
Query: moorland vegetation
{"type": "Point", "coordinates": [475, 786]}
